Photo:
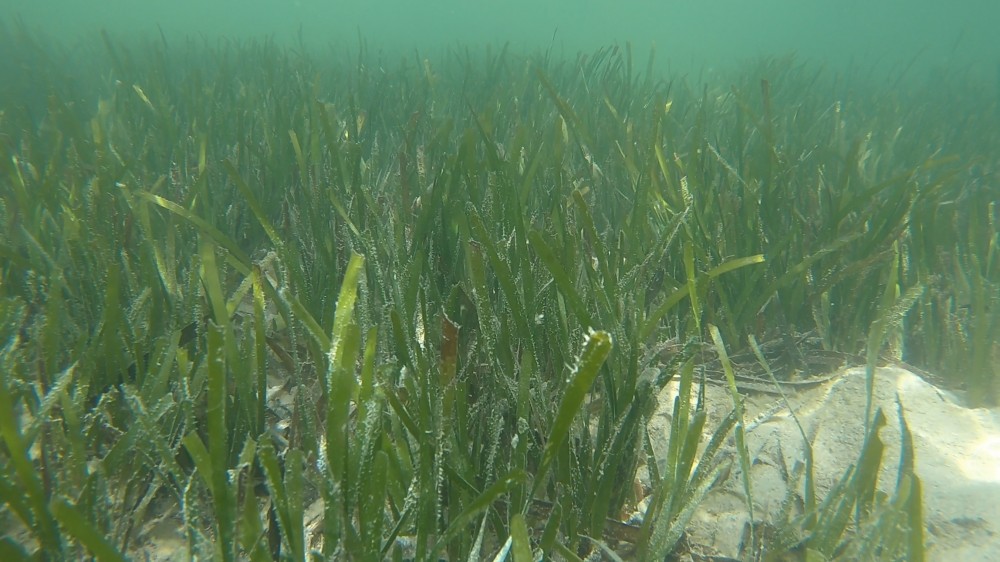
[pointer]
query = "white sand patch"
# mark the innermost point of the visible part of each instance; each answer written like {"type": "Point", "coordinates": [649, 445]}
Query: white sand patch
{"type": "Point", "coordinates": [957, 458]}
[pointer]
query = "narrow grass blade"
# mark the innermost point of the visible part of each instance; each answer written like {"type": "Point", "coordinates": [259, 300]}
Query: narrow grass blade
{"type": "Point", "coordinates": [78, 527]}
{"type": "Point", "coordinates": [43, 523]}
{"type": "Point", "coordinates": [741, 446]}
{"type": "Point", "coordinates": [218, 441]}
{"type": "Point", "coordinates": [521, 543]}
{"type": "Point", "coordinates": [340, 381]}
{"type": "Point", "coordinates": [692, 284]}
{"type": "Point", "coordinates": [653, 320]}
{"type": "Point", "coordinates": [255, 207]}
{"type": "Point", "coordinates": [876, 336]}
{"type": "Point", "coordinates": [457, 525]}
{"type": "Point", "coordinates": [13, 552]}
{"type": "Point", "coordinates": [243, 260]}
{"type": "Point", "coordinates": [595, 352]}
{"type": "Point", "coordinates": [561, 277]}
{"type": "Point", "coordinates": [909, 483]}
{"type": "Point", "coordinates": [340, 388]}
{"type": "Point", "coordinates": [289, 518]}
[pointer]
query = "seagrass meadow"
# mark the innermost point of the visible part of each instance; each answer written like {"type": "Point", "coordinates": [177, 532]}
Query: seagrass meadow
{"type": "Point", "coordinates": [286, 304]}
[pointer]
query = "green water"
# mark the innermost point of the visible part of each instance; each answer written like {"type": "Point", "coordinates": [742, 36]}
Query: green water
{"type": "Point", "coordinates": [891, 32]}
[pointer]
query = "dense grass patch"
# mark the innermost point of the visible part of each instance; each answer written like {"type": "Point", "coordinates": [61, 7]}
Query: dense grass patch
{"type": "Point", "coordinates": [431, 297]}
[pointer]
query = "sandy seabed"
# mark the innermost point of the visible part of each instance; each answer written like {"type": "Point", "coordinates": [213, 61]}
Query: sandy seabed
{"type": "Point", "coordinates": [957, 458]}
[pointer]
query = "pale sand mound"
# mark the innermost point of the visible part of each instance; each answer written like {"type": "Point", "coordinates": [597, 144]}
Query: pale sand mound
{"type": "Point", "coordinates": [957, 459]}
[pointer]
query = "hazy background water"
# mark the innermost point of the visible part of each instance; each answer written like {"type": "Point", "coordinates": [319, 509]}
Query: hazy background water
{"type": "Point", "coordinates": [961, 35]}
